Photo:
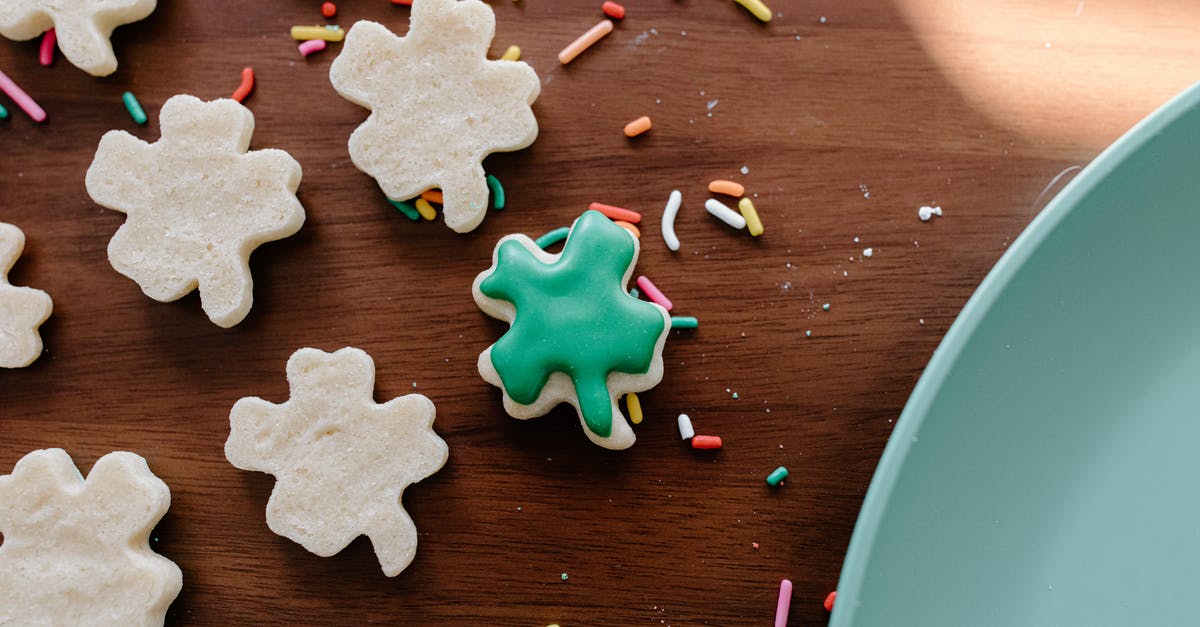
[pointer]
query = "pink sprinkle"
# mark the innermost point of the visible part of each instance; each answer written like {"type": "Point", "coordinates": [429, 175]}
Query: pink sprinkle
{"type": "Point", "coordinates": [311, 46]}
{"type": "Point", "coordinates": [22, 99]}
{"type": "Point", "coordinates": [653, 293]}
{"type": "Point", "coordinates": [46, 52]}
{"type": "Point", "coordinates": [785, 603]}
{"type": "Point", "coordinates": [755, 545]}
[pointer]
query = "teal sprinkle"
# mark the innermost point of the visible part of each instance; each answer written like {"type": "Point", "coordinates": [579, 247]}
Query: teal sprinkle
{"type": "Point", "coordinates": [684, 322]}
{"type": "Point", "coordinates": [777, 476]}
{"type": "Point", "coordinates": [808, 333]}
{"type": "Point", "coordinates": [552, 238]}
{"type": "Point", "coordinates": [634, 293]}
{"type": "Point", "coordinates": [134, 107]}
{"type": "Point", "coordinates": [497, 192]}
{"type": "Point", "coordinates": [3, 113]}
{"type": "Point", "coordinates": [564, 576]}
{"type": "Point", "coordinates": [825, 307]}
{"type": "Point", "coordinates": [735, 396]}
{"type": "Point", "coordinates": [407, 209]}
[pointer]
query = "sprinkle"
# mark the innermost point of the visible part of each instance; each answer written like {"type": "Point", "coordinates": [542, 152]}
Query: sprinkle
{"type": "Point", "coordinates": [686, 432]}
{"type": "Point", "coordinates": [777, 476]}
{"type": "Point", "coordinates": [425, 209]}
{"type": "Point", "coordinates": [629, 227]}
{"type": "Point", "coordinates": [512, 54]}
{"type": "Point", "coordinates": [668, 219]}
{"type": "Point", "coordinates": [134, 108]}
{"type": "Point", "coordinates": [312, 45]}
{"type": "Point", "coordinates": [328, 33]}
{"type": "Point", "coordinates": [755, 545]}
{"type": "Point", "coordinates": [247, 85]}
{"type": "Point", "coordinates": [867, 252]}
{"type": "Point", "coordinates": [497, 192]}
{"type": "Point", "coordinates": [585, 41]}
{"type": "Point", "coordinates": [729, 188]}
{"type": "Point", "coordinates": [22, 99]}
{"type": "Point", "coordinates": [564, 576]}
{"type": "Point", "coordinates": [3, 113]}
{"type": "Point", "coordinates": [808, 333]}
{"type": "Point", "coordinates": [407, 3]}
{"type": "Point", "coordinates": [46, 51]}
{"type": "Point", "coordinates": [613, 10]}
{"type": "Point", "coordinates": [329, 9]}
{"type": "Point", "coordinates": [926, 212]}
{"type": "Point", "coordinates": [616, 213]}
{"type": "Point", "coordinates": [633, 291]}
{"type": "Point", "coordinates": [757, 8]}
{"type": "Point", "coordinates": [706, 442]}
{"type": "Point", "coordinates": [635, 408]}
{"type": "Point", "coordinates": [552, 238]}
{"type": "Point", "coordinates": [684, 322]}
{"type": "Point", "coordinates": [406, 209]}
{"type": "Point", "coordinates": [784, 604]}
{"type": "Point", "coordinates": [825, 307]}
{"type": "Point", "coordinates": [752, 222]}
{"type": "Point", "coordinates": [638, 126]}
{"type": "Point", "coordinates": [829, 599]}
{"type": "Point", "coordinates": [433, 195]}
{"type": "Point", "coordinates": [653, 293]}
{"type": "Point", "coordinates": [725, 214]}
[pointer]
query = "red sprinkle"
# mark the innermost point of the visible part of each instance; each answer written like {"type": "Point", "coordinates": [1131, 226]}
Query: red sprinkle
{"type": "Point", "coordinates": [829, 601]}
{"type": "Point", "coordinates": [247, 85]}
{"type": "Point", "coordinates": [329, 9]}
{"type": "Point", "coordinates": [613, 10]}
{"type": "Point", "coordinates": [46, 52]}
{"type": "Point", "coordinates": [407, 3]}
{"type": "Point", "coordinates": [616, 213]}
{"type": "Point", "coordinates": [706, 441]}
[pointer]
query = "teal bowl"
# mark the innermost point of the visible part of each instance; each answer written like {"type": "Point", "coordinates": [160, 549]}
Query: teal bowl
{"type": "Point", "coordinates": [1046, 468]}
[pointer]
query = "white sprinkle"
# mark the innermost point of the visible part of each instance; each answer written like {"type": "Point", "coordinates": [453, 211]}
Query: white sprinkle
{"type": "Point", "coordinates": [926, 212]}
{"type": "Point", "coordinates": [745, 170]}
{"type": "Point", "coordinates": [822, 19]}
{"type": "Point", "coordinates": [712, 103]}
{"type": "Point", "coordinates": [867, 252]}
{"type": "Point", "coordinates": [668, 219]}
{"type": "Point", "coordinates": [856, 240]}
{"type": "Point", "coordinates": [725, 214]}
{"type": "Point", "coordinates": [686, 432]}
{"type": "Point", "coordinates": [922, 321]}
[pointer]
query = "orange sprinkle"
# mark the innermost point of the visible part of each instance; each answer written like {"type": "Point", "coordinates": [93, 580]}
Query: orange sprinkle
{"type": "Point", "coordinates": [628, 227]}
{"type": "Point", "coordinates": [584, 41]}
{"type": "Point", "coordinates": [729, 188]}
{"type": "Point", "coordinates": [407, 3]}
{"type": "Point", "coordinates": [613, 10]}
{"type": "Point", "coordinates": [247, 85]}
{"type": "Point", "coordinates": [638, 126]}
{"type": "Point", "coordinates": [329, 9]}
{"type": "Point", "coordinates": [433, 195]}
{"type": "Point", "coordinates": [829, 601]}
{"type": "Point", "coordinates": [616, 213]}
{"type": "Point", "coordinates": [706, 441]}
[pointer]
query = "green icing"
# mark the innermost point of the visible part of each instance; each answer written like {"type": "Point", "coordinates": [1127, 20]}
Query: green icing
{"type": "Point", "coordinates": [573, 316]}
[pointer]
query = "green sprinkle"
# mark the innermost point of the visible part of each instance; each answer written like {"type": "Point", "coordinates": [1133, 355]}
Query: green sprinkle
{"type": "Point", "coordinates": [3, 113]}
{"type": "Point", "coordinates": [497, 192]}
{"type": "Point", "coordinates": [825, 307]}
{"type": "Point", "coordinates": [135, 109]}
{"type": "Point", "coordinates": [407, 209]}
{"type": "Point", "coordinates": [634, 293]}
{"type": "Point", "coordinates": [684, 322]}
{"type": "Point", "coordinates": [777, 476]}
{"type": "Point", "coordinates": [808, 333]}
{"type": "Point", "coordinates": [552, 238]}
{"type": "Point", "coordinates": [564, 576]}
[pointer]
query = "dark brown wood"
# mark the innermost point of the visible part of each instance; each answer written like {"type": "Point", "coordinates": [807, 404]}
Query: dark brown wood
{"type": "Point", "coordinates": [846, 128]}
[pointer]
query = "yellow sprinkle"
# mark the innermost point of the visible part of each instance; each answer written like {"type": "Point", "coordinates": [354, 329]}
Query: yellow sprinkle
{"type": "Point", "coordinates": [426, 210]}
{"type": "Point", "coordinates": [635, 408]}
{"type": "Point", "coordinates": [752, 222]}
{"type": "Point", "coordinates": [760, 10]}
{"type": "Point", "coordinates": [512, 54]}
{"type": "Point", "coordinates": [305, 33]}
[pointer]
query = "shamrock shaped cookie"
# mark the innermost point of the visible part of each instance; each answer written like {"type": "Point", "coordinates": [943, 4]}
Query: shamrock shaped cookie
{"type": "Point", "coordinates": [22, 309]}
{"type": "Point", "coordinates": [438, 105]}
{"type": "Point", "coordinates": [577, 336]}
{"type": "Point", "coordinates": [77, 552]}
{"type": "Point", "coordinates": [198, 204]}
{"type": "Point", "coordinates": [340, 460]}
{"type": "Point", "coordinates": [82, 26]}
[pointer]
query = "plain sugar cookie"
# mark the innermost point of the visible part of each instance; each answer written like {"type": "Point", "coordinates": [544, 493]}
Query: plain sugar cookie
{"type": "Point", "coordinates": [82, 27]}
{"type": "Point", "coordinates": [438, 105]}
{"type": "Point", "coordinates": [76, 551]}
{"type": "Point", "coordinates": [22, 309]}
{"type": "Point", "coordinates": [341, 461]}
{"type": "Point", "coordinates": [577, 335]}
{"type": "Point", "coordinates": [198, 204]}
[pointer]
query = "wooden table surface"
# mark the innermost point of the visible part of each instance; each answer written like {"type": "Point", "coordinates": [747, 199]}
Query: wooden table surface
{"type": "Point", "coordinates": [841, 117]}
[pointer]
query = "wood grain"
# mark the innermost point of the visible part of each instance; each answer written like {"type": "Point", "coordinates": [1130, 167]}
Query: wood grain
{"type": "Point", "coordinates": [844, 127]}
